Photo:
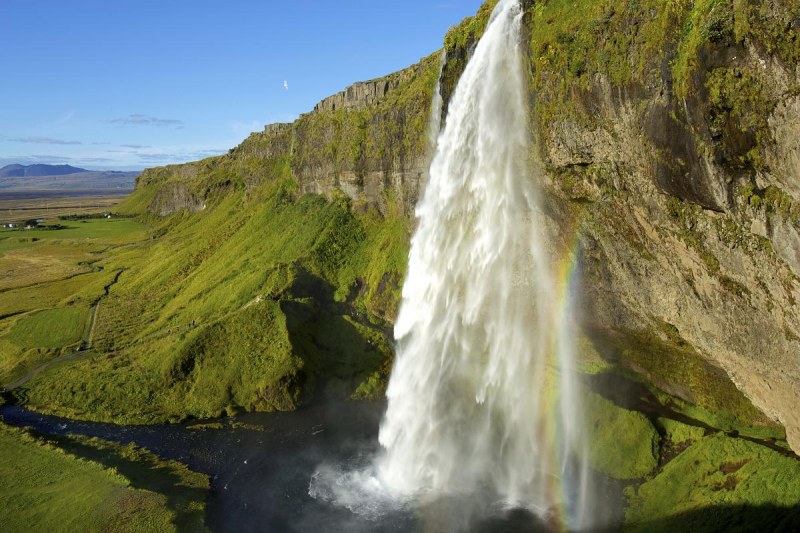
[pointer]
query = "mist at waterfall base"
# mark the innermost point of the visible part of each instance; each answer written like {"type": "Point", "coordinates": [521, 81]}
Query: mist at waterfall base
{"type": "Point", "coordinates": [482, 413]}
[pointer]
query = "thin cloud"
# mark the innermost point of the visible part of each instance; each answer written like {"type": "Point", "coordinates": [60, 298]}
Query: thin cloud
{"type": "Point", "coordinates": [208, 153]}
{"type": "Point", "coordinates": [43, 140]}
{"type": "Point", "coordinates": [48, 158]}
{"type": "Point", "coordinates": [156, 157]}
{"type": "Point", "coordinates": [138, 119]}
{"type": "Point", "coordinates": [134, 146]}
{"type": "Point", "coordinates": [164, 158]}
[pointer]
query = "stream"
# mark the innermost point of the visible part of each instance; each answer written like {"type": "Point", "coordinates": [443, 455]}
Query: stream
{"type": "Point", "coordinates": [259, 474]}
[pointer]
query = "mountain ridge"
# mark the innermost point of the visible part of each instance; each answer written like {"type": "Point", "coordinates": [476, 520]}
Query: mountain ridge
{"type": "Point", "coordinates": [44, 177]}
{"type": "Point", "coordinates": [38, 170]}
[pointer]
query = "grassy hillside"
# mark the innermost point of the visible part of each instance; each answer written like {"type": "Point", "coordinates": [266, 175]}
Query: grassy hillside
{"type": "Point", "coordinates": [257, 302]}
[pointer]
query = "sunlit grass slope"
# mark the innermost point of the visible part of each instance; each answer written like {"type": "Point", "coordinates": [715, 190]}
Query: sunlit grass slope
{"type": "Point", "coordinates": [252, 303]}
{"type": "Point", "coordinates": [719, 484]}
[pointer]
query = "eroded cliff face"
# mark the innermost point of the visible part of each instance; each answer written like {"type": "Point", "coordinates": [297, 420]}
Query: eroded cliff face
{"type": "Point", "coordinates": [677, 155]}
{"type": "Point", "coordinates": [666, 138]}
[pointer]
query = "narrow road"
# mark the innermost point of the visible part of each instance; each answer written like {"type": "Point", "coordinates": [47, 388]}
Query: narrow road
{"type": "Point", "coordinates": [74, 356]}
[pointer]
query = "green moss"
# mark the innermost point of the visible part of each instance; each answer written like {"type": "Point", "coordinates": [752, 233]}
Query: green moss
{"type": "Point", "coordinates": [775, 25]}
{"type": "Point", "coordinates": [622, 443]}
{"type": "Point", "coordinates": [679, 433]}
{"type": "Point", "coordinates": [571, 41]}
{"type": "Point", "coordinates": [706, 21]}
{"type": "Point", "coordinates": [471, 29]}
{"type": "Point", "coordinates": [696, 388]}
{"type": "Point", "coordinates": [772, 201]}
{"type": "Point", "coordinates": [733, 475]}
{"type": "Point", "coordinates": [739, 109]}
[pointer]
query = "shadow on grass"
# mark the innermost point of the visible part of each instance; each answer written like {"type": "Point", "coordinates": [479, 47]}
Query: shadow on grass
{"type": "Point", "coordinates": [325, 333]}
{"type": "Point", "coordinates": [634, 396]}
{"type": "Point", "coordinates": [729, 519]}
{"type": "Point", "coordinates": [148, 472]}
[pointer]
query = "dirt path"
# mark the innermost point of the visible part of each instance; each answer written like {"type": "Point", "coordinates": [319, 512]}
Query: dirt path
{"type": "Point", "coordinates": [86, 345]}
{"type": "Point", "coordinates": [41, 368]}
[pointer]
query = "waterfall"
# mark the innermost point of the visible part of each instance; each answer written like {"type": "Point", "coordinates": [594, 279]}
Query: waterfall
{"type": "Point", "coordinates": [435, 123]}
{"type": "Point", "coordinates": [482, 398]}
{"type": "Point", "coordinates": [481, 395]}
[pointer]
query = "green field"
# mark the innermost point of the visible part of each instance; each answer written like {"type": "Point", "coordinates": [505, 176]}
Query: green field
{"type": "Point", "coordinates": [44, 488]}
{"type": "Point", "coordinates": [50, 279]}
{"type": "Point", "coordinates": [229, 303]}
{"type": "Point", "coordinates": [49, 328]}
{"type": "Point", "coordinates": [105, 230]}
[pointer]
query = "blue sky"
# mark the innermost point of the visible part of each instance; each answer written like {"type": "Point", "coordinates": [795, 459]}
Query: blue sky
{"type": "Point", "coordinates": [133, 84]}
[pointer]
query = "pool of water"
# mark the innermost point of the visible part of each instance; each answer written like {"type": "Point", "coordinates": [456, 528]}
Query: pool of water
{"type": "Point", "coordinates": [260, 473]}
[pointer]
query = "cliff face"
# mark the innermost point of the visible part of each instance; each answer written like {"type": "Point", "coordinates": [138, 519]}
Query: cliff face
{"type": "Point", "coordinates": [666, 139]}
{"type": "Point", "coordinates": [667, 134]}
{"type": "Point", "coordinates": [368, 141]}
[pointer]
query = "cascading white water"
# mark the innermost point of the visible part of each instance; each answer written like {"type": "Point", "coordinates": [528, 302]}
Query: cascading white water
{"type": "Point", "coordinates": [435, 123]}
{"type": "Point", "coordinates": [482, 398]}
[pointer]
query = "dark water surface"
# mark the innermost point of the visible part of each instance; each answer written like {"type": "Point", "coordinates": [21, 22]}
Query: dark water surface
{"type": "Point", "coordinates": [259, 477]}
{"type": "Point", "coordinates": [260, 473]}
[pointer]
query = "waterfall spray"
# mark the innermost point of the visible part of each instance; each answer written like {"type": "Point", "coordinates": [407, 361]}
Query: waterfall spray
{"type": "Point", "coordinates": [482, 398]}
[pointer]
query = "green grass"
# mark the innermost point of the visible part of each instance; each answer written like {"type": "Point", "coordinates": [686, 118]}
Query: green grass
{"type": "Point", "coordinates": [51, 278]}
{"type": "Point", "coordinates": [622, 444]}
{"type": "Point", "coordinates": [679, 433]}
{"type": "Point", "coordinates": [661, 358]}
{"type": "Point", "coordinates": [718, 484]}
{"type": "Point", "coordinates": [50, 328]}
{"type": "Point", "coordinates": [44, 489]}
{"type": "Point", "coordinates": [38, 337]}
{"type": "Point", "coordinates": [243, 306]}
{"type": "Point", "coordinates": [104, 230]}
{"type": "Point", "coordinates": [186, 491]}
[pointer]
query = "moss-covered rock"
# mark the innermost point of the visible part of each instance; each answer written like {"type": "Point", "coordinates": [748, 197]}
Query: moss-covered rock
{"type": "Point", "coordinates": [622, 444]}
{"type": "Point", "coordinates": [719, 484]}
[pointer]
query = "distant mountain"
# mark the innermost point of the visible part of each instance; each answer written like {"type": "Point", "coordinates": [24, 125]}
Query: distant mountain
{"type": "Point", "coordinates": [62, 177]}
{"type": "Point", "coordinates": [20, 171]}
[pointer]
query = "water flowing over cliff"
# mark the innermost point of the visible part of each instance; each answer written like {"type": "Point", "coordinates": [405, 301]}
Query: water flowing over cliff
{"type": "Point", "coordinates": [482, 398]}
{"type": "Point", "coordinates": [635, 161]}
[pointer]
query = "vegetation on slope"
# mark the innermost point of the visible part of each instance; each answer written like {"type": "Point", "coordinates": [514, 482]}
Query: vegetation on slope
{"type": "Point", "coordinates": [623, 443]}
{"type": "Point", "coordinates": [244, 305]}
{"type": "Point", "coordinates": [41, 486]}
{"type": "Point", "coordinates": [719, 484]}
